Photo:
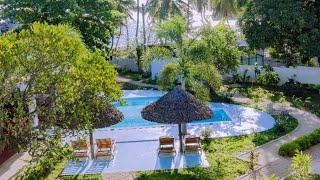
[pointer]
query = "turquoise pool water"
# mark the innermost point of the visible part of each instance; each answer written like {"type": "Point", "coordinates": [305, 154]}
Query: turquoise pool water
{"type": "Point", "coordinates": [132, 107]}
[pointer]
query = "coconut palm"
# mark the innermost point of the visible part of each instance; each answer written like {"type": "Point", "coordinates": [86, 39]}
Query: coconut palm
{"type": "Point", "coordinates": [201, 6]}
{"type": "Point", "coordinates": [163, 9]}
{"type": "Point", "coordinates": [138, 19]}
{"type": "Point", "coordinates": [124, 6]}
{"type": "Point", "coordinates": [188, 59]}
{"type": "Point", "coordinates": [224, 8]}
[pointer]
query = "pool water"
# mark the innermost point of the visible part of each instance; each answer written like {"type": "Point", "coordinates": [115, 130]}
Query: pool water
{"type": "Point", "coordinates": [132, 107]}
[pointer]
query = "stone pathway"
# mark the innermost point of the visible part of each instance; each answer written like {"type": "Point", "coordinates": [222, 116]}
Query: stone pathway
{"type": "Point", "coordinates": [137, 83]}
{"type": "Point", "coordinates": [119, 176]}
{"type": "Point", "coordinates": [12, 167]}
{"type": "Point", "coordinates": [269, 160]}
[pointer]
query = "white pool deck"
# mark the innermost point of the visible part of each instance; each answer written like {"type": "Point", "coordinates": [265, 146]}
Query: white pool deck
{"type": "Point", "coordinates": [137, 147]}
{"type": "Point", "coordinates": [137, 156]}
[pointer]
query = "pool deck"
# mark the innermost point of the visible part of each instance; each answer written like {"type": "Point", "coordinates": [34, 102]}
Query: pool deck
{"type": "Point", "coordinates": [137, 147]}
{"type": "Point", "coordinates": [137, 156]}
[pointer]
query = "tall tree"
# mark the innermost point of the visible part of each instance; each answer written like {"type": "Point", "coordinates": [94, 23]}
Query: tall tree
{"type": "Point", "coordinates": [193, 62]}
{"type": "Point", "coordinates": [162, 10]}
{"type": "Point", "coordinates": [290, 27]}
{"type": "Point", "coordinates": [138, 21]}
{"type": "Point", "coordinates": [124, 6]}
{"type": "Point", "coordinates": [201, 6]}
{"type": "Point", "coordinates": [96, 20]}
{"type": "Point", "coordinates": [51, 63]}
{"type": "Point", "coordinates": [224, 8]}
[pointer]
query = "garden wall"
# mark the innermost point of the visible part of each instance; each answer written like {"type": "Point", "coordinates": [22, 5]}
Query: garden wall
{"type": "Point", "coordinates": [302, 74]}
{"type": "Point", "coordinates": [125, 64]}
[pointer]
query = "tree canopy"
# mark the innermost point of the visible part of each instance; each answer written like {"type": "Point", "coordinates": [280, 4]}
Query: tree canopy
{"type": "Point", "coordinates": [194, 60]}
{"type": "Point", "coordinates": [51, 64]}
{"type": "Point", "coordinates": [96, 20]}
{"type": "Point", "coordinates": [290, 27]}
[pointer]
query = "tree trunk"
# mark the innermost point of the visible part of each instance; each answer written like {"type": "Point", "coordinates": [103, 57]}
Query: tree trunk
{"type": "Point", "coordinates": [127, 32]}
{"type": "Point", "coordinates": [180, 137]}
{"type": "Point", "coordinates": [91, 143]}
{"type": "Point", "coordinates": [117, 43]}
{"type": "Point", "coordinates": [188, 20]}
{"type": "Point", "coordinates": [204, 15]}
{"type": "Point", "coordinates": [144, 27]}
{"type": "Point", "coordinates": [138, 18]}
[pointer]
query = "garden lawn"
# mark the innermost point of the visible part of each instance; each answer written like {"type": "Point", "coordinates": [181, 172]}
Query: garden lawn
{"type": "Point", "coordinates": [221, 155]}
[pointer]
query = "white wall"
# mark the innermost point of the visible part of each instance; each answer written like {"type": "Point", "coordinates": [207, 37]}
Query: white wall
{"type": "Point", "coordinates": [302, 74]}
{"type": "Point", "coordinates": [126, 64]}
{"type": "Point", "coordinates": [156, 68]}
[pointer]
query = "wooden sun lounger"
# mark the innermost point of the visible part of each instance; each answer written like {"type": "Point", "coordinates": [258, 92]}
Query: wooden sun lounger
{"type": "Point", "coordinates": [80, 148]}
{"type": "Point", "coordinates": [166, 144]}
{"type": "Point", "coordinates": [192, 144]}
{"type": "Point", "coordinates": [105, 147]}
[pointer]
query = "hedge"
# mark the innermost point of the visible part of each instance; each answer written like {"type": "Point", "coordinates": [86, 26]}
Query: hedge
{"type": "Point", "coordinates": [300, 144]}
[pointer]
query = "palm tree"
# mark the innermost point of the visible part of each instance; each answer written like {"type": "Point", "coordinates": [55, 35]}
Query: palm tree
{"type": "Point", "coordinates": [163, 9]}
{"type": "Point", "coordinates": [200, 6]}
{"type": "Point", "coordinates": [124, 6]}
{"type": "Point", "coordinates": [138, 19]}
{"type": "Point", "coordinates": [224, 8]}
{"type": "Point", "coordinates": [192, 67]}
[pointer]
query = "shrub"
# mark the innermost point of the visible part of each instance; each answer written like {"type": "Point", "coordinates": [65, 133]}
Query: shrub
{"type": "Point", "coordinates": [301, 164]}
{"type": "Point", "coordinates": [41, 167]}
{"type": "Point", "coordinates": [300, 144]}
{"type": "Point", "coordinates": [206, 133]}
{"type": "Point", "coordinates": [269, 78]}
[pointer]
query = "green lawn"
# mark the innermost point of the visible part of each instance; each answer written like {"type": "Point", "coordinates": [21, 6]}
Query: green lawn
{"type": "Point", "coordinates": [221, 155]}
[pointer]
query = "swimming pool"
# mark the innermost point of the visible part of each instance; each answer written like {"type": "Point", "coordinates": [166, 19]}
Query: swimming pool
{"type": "Point", "coordinates": [132, 107]}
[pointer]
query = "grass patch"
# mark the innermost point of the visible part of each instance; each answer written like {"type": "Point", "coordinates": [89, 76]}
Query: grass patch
{"type": "Point", "coordinates": [221, 155]}
{"type": "Point", "coordinates": [283, 126]}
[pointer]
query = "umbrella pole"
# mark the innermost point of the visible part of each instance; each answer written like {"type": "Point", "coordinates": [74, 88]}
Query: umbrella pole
{"type": "Point", "coordinates": [180, 137]}
{"type": "Point", "coordinates": [91, 143]}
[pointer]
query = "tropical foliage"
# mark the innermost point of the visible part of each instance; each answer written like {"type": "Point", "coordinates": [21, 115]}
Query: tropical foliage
{"type": "Point", "coordinates": [96, 20]}
{"type": "Point", "coordinates": [300, 165]}
{"type": "Point", "coordinates": [47, 71]}
{"type": "Point", "coordinates": [196, 60]}
{"type": "Point", "coordinates": [291, 28]}
{"type": "Point", "coordinates": [162, 10]}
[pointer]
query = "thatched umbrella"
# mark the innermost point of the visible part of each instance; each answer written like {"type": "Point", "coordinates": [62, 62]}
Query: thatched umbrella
{"type": "Point", "coordinates": [107, 117]}
{"type": "Point", "coordinates": [177, 107]}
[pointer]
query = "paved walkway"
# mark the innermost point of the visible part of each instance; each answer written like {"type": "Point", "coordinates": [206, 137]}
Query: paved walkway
{"type": "Point", "coordinates": [269, 160]}
{"type": "Point", "coordinates": [137, 83]}
{"type": "Point", "coordinates": [13, 166]}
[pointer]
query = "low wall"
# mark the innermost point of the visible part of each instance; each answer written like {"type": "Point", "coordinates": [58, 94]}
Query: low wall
{"type": "Point", "coordinates": [125, 64]}
{"type": "Point", "coordinates": [302, 74]}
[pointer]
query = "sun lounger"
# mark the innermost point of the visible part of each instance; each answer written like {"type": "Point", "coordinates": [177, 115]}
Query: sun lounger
{"type": "Point", "coordinates": [192, 144]}
{"type": "Point", "coordinates": [80, 148]}
{"type": "Point", "coordinates": [166, 144]}
{"type": "Point", "coordinates": [105, 147]}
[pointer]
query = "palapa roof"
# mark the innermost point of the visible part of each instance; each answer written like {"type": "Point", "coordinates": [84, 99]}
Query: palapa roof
{"type": "Point", "coordinates": [108, 117]}
{"type": "Point", "coordinates": [177, 106]}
